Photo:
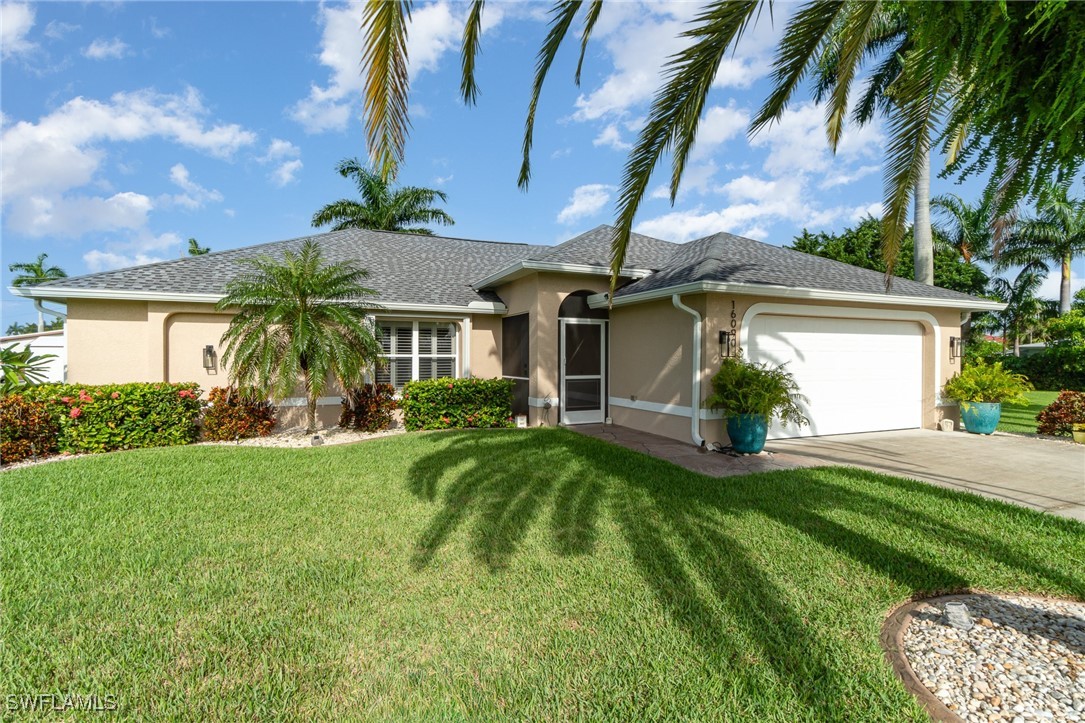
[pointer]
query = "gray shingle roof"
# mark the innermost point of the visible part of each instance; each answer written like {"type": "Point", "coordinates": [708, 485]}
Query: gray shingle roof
{"type": "Point", "coordinates": [404, 268]}
{"type": "Point", "coordinates": [724, 257]}
{"type": "Point", "coordinates": [593, 248]}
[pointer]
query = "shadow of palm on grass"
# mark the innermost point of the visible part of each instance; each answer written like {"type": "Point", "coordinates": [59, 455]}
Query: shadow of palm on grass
{"type": "Point", "coordinates": [690, 538]}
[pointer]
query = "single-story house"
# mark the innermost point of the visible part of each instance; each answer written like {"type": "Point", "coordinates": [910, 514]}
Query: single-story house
{"type": "Point", "coordinates": [865, 358]}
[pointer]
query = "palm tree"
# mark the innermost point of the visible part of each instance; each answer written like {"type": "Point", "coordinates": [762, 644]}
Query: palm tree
{"type": "Point", "coordinates": [1024, 311]}
{"type": "Point", "coordinates": [958, 85]}
{"type": "Point", "coordinates": [298, 319]}
{"type": "Point", "coordinates": [382, 208]}
{"type": "Point", "coordinates": [34, 273]}
{"type": "Point", "coordinates": [888, 39]}
{"type": "Point", "coordinates": [194, 248]}
{"type": "Point", "coordinates": [1056, 233]}
{"type": "Point", "coordinates": [967, 228]}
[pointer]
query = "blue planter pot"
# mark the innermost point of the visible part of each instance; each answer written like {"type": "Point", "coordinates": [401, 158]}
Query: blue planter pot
{"type": "Point", "coordinates": [747, 432]}
{"type": "Point", "coordinates": [980, 417]}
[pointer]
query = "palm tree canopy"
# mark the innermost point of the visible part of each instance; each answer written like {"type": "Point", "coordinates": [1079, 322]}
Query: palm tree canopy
{"type": "Point", "coordinates": [194, 248]}
{"type": "Point", "coordinates": [298, 320]}
{"type": "Point", "coordinates": [408, 209]}
{"type": "Point", "coordinates": [36, 272]}
{"type": "Point", "coordinates": [1000, 86]}
{"type": "Point", "coordinates": [965, 227]}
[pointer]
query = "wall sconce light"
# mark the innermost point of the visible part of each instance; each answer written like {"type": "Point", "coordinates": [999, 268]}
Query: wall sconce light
{"type": "Point", "coordinates": [728, 343]}
{"type": "Point", "coordinates": [209, 357]}
{"type": "Point", "coordinates": [956, 348]}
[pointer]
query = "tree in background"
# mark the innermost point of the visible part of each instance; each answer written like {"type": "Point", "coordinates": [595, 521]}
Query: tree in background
{"type": "Point", "coordinates": [960, 86]}
{"type": "Point", "coordinates": [1055, 234]}
{"type": "Point", "coordinates": [861, 246]}
{"type": "Point", "coordinates": [194, 248]}
{"type": "Point", "coordinates": [1024, 312]}
{"type": "Point", "coordinates": [298, 320]}
{"type": "Point", "coordinates": [33, 273]}
{"type": "Point", "coordinates": [382, 207]}
{"type": "Point", "coordinates": [16, 328]}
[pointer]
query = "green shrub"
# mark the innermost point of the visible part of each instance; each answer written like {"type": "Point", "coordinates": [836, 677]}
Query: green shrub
{"type": "Point", "coordinates": [122, 416]}
{"type": "Point", "coordinates": [1061, 365]}
{"type": "Point", "coordinates": [987, 383]}
{"type": "Point", "coordinates": [457, 403]}
{"type": "Point", "coordinates": [1061, 415]}
{"type": "Point", "coordinates": [231, 415]}
{"type": "Point", "coordinates": [21, 369]}
{"type": "Point", "coordinates": [27, 429]}
{"type": "Point", "coordinates": [983, 351]}
{"type": "Point", "coordinates": [746, 387]}
{"type": "Point", "coordinates": [369, 409]}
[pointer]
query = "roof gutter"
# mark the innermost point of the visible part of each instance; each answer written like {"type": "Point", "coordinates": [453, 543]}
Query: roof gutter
{"type": "Point", "coordinates": [695, 415]}
{"type": "Point", "coordinates": [808, 294]}
{"type": "Point", "coordinates": [59, 294]}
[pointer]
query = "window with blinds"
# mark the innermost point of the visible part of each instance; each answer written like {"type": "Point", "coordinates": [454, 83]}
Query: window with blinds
{"type": "Point", "coordinates": [414, 350]}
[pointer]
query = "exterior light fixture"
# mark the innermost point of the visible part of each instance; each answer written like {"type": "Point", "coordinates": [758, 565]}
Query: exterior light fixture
{"type": "Point", "coordinates": [209, 357]}
{"type": "Point", "coordinates": [956, 348]}
{"type": "Point", "coordinates": [956, 616]}
{"type": "Point", "coordinates": [728, 342]}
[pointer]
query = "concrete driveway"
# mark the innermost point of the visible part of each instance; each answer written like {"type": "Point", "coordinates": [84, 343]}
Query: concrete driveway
{"type": "Point", "coordinates": [1038, 473]}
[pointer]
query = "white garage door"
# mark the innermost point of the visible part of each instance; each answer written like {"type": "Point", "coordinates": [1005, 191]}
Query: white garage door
{"type": "Point", "coordinates": [859, 375]}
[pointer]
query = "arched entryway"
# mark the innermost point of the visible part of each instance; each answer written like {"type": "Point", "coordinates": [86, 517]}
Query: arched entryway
{"type": "Point", "coordinates": [583, 360]}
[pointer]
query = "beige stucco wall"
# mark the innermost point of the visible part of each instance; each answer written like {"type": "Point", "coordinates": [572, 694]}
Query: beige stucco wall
{"type": "Point", "coordinates": [651, 343]}
{"type": "Point", "coordinates": [540, 295]}
{"type": "Point", "coordinates": [128, 341]}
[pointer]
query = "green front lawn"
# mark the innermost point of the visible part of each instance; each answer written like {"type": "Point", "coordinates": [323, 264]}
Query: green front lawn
{"type": "Point", "coordinates": [1022, 419]}
{"type": "Point", "coordinates": [535, 574]}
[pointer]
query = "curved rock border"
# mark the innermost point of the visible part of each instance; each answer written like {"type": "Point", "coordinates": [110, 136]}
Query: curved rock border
{"type": "Point", "coordinates": [1059, 623]}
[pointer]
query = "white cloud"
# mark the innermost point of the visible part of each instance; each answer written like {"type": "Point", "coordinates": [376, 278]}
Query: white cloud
{"type": "Point", "coordinates": [719, 125]}
{"type": "Point", "coordinates": [797, 143]}
{"type": "Point", "coordinates": [16, 20]}
{"type": "Point", "coordinates": [612, 137]}
{"type": "Point", "coordinates": [195, 196]}
{"type": "Point", "coordinates": [1049, 289]}
{"type": "Point", "coordinates": [103, 49]}
{"type": "Point", "coordinates": [142, 248]}
{"type": "Point", "coordinates": [73, 215]}
{"type": "Point", "coordinates": [286, 157]}
{"type": "Point", "coordinates": [57, 30]}
{"type": "Point", "coordinates": [157, 31]}
{"type": "Point", "coordinates": [285, 172]}
{"type": "Point", "coordinates": [435, 30]}
{"type": "Point", "coordinates": [844, 178]}
{"type": "Point", "coordinates": [442, 180]}
{"type": "Point", "coordinates": [63, 150]}
{"type": "Point", "coordinates": [586, 201]}
{"type": "Point", "coordinates": [861, 212]}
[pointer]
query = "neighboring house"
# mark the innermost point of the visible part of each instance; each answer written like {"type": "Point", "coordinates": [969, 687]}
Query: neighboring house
{"type": "Point", "coordinates": [42, 343]}
{"type": "Point", "coordinates": [540, 315]}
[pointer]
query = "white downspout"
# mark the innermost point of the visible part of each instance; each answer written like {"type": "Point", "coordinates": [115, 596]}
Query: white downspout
{"type": "Point", "coordinates": [42, 310]}
{"type": "Point", "coordinates": [695, 417]}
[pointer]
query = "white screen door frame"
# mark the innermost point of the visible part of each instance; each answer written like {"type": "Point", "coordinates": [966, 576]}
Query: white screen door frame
{"type": "Point", "coordinates": [583, 416]}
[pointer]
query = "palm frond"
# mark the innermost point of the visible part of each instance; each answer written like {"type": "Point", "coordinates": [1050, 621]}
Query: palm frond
{"type": "Point", "coordinates": [563, 13]}
{"type": "Point", "coordinates": [472, 43]}
{"type": "Point", "coordinates": [387, 83]}
{"type": "Point", "coordinates": [589, 24]}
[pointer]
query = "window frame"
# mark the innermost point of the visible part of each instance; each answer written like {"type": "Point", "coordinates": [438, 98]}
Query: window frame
{"type": "Point", "coordinates": [415, 356]}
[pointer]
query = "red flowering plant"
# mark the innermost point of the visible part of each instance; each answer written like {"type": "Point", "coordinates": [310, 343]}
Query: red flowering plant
{"type": "Point", "coordinates": [369, 408]}
{"type": "Point", "coordinates": [1059, 417]}
{"type": "Point", "coordinates": [27, 429]}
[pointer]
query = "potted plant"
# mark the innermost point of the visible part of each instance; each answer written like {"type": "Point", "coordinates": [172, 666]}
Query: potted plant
{"type": "Point", "coordinates": [750, 395]}
{"type": "Point", "coordinates": [980, 390]}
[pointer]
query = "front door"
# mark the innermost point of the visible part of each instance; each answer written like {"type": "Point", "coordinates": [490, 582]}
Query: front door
{"type": "Point", "coordinates": [583, 371]}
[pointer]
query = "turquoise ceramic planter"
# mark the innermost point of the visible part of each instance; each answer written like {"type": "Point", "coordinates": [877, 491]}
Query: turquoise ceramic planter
{"type": "Point", "coordinates": [747, 432]}
{"type": "Point", "coordinates": [980, 417]}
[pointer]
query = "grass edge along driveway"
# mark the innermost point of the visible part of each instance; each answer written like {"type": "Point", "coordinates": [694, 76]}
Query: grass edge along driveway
{"type": "Point", "coordinates": [521, 573]}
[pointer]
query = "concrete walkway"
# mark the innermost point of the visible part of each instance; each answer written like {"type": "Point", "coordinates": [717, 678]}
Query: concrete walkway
{"type": "Point", "coordinates": [1037, 473]}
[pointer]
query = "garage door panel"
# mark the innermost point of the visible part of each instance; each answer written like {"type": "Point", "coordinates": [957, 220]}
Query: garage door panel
{"type": "Point", "coordinates": [857, 375]}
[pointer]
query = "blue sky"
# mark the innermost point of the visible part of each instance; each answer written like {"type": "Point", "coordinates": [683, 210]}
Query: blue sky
{"type": "Point", "coordinates": [130, 127]}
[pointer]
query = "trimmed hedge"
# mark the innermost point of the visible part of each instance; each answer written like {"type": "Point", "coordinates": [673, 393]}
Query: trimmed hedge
{"type": "Point", "coordinates": [231, 416]}
{"type": "Point", "coordinates": [457, 403]}
{"type": "Point", "coordinates": [121, 416]}
{"type": "Point", "coordinates": [368, 409]}
{"type": "Point", "coordinates": [27, 429]}
{"type": "Point", "coordinates": [1061, 415]}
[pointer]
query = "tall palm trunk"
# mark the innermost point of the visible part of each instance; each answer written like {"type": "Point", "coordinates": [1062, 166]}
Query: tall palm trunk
{"type": "Point", "coordinates": [310, 398]}
{"type": "Point", "coordinates": [1064, 284]}
{"type": "Point", "coordinates": [921, 227]}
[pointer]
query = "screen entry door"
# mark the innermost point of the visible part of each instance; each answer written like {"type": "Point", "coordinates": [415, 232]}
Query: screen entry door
{"type": "Point", "coordinates": [583, 371]}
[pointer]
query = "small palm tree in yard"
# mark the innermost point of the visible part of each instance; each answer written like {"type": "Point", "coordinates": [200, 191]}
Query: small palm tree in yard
{"type": "Point", "coordinates": [299, 320]}
{"type": "Point", "coordinates": [408, 209]}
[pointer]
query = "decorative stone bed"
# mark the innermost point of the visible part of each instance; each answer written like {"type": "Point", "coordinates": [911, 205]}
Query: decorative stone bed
{"type": "Point", "coordinates": [1023, 659]}
{"type": "Point", "coordinates": [298, 438]}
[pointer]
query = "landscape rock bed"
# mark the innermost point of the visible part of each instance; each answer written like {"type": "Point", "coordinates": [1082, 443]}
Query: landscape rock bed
{"type": "Point", "coordinates": [1023, 660]}
{"type": "Point", "coordinates": [298, 438]}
